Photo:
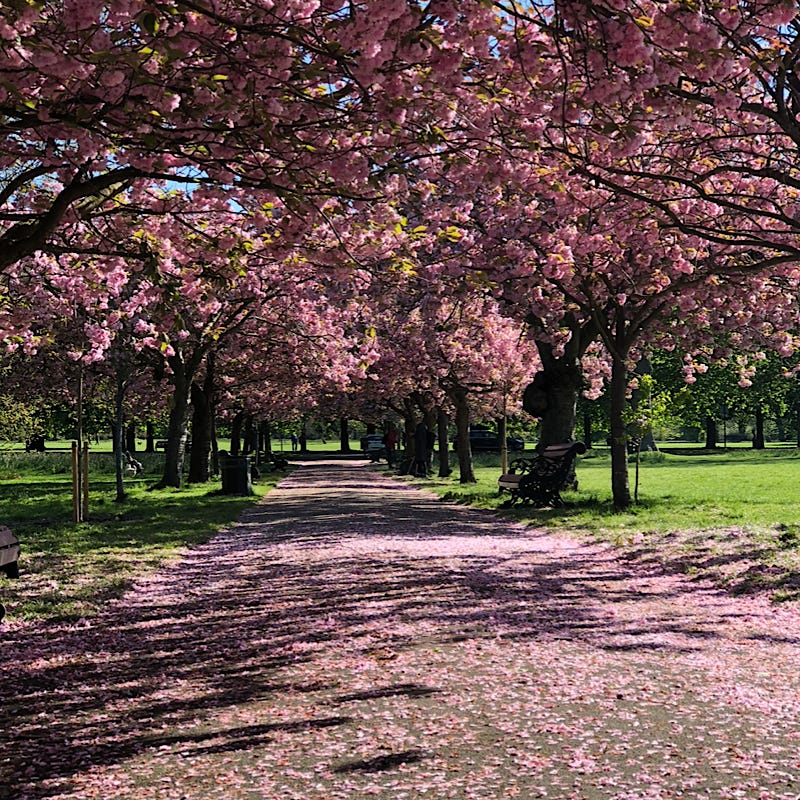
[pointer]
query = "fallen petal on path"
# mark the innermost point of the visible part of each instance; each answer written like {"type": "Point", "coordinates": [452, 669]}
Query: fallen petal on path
{"type": "Point", "coordinates": [354, 637]}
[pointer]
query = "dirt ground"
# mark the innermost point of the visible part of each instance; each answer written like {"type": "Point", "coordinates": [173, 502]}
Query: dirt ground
{"type": "Point", "coordinates": [353, 637]}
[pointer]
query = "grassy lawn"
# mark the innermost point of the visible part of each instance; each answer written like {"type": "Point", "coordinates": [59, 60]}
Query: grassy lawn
{"type": "Point", "coordinates": [731, 516]}
{"type": "Point", "coordinates": [69, 571]}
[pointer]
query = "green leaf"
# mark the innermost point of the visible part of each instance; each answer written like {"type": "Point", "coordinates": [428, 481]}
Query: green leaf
{"type": "Point", "coordinates": [150, 23]}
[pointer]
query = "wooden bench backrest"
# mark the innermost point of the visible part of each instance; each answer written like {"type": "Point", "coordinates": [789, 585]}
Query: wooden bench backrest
{"type": "Point", "coordinates": [556, 451]}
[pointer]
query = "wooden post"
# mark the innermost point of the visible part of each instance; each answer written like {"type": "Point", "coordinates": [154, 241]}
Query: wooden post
{"type": "Point", "coordinates": [77, 452]}
{"type": "Point", "coordinates": [76, 485]}
{"type": "Point", "coordinates": [503, 429]}
{"type": "Point", "coordinates": [85, 482]}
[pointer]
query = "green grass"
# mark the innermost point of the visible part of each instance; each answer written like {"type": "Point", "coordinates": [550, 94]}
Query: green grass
{"type": "Point", "coordinates": [731, 516]}
{"type": "Point", "coordinates": [742, 487]}
{"type": "Point", "coordinates": [69, 571]}
{"type": "Point", "coordinates": [318, 446]}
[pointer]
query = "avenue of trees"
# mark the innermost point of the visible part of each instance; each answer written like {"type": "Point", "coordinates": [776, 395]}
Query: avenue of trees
{"type": "Point", "coordinates": [248, 210]}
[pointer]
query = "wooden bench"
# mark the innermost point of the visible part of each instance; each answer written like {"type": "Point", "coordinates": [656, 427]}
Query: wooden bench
{"type": "Point", "coordinates": [9, 552]}
{"type": "Point", "coordinates": [9, 558]}
{"type": "Point", "coordinates": [538, 481]}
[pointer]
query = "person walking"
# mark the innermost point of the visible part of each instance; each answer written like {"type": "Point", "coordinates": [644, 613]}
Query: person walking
{"type": "Point", "coordinates": [419, 466]}
{"type": "Point", "coordinates": [390, 443]}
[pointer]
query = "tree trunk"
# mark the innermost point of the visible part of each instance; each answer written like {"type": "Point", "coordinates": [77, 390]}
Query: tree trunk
{"type": "Point", "coordinates": [203, 429]}
{"type": "Point", "coordinates": [409, 424]}
{"type": "Point", "coordinates": [253, 435]}
{"type": "Point", "coordinates": [648, 440]}
{"type": "Point", "coordinates": [553, 396]}
{"type": "Point", "coordinates": [430, 418]}
{"type": "Point", "coordinates": [175, 449]}
{"type": "Point", "coordinates": [266, 436]}
{"type": "Point", "coordinates": [118, 428]}
{"type": "Point", "coordinates": [620, 489]}
{"type": "Point", "coordinates": [215, 470]}
{"type": "Point", "coordinates": [587, 429]}
{"type": "Point", "coordinates": [118, 449]}
{"type": "Point", "coordinates": [554, 391]}
{"type": "Point", "coordinates": [344, 434]}
{"type": "Point", "coordinates": [759, 442]}
{"type": "Point", "coordinates": [236, 433]}
{"type": "Point", "coordinates": [201, 434]}
{"type": "Point", "coordinates": [150, 446]}
{"type": "Point", "coordinates": [711, 433]}
{"type": "Point", "coordinates": [250, 436]}
{"type": "Point", "coordinates": [797, 422]}
{"type": "Point", "coordinates": [79, 487]}
{"type": "Point", "coordinates": [130, 437]}
{"type": "Point", "coordinates": [780, 424]}
{"type": "Point", "coordinates": [442, 431]}
{"type": "Point", "coordinates": [648, 443]}
{"type": "Point", "coordinates": [460, 399]}
{"type": "Point", "coordinates": [303, 437]}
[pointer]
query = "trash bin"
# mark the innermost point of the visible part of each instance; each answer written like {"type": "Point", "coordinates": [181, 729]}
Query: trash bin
{"type": "Point", "coordinates": [236, 477]}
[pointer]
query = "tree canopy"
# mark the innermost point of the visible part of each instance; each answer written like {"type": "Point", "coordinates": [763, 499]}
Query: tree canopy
{"type": "Point", "coordinates": [397, 205]}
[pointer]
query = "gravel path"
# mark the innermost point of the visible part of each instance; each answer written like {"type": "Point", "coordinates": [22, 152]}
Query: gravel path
{"type": "Point", "coordinates": [353, 637]}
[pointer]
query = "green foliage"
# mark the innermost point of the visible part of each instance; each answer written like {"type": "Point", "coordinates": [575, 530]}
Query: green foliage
{"type": "Point", "coordinates": [18, 420]}
{"type": "Point", "coordinates": [770, 391]}
{"type": "Point", "coordinates": [523, 426]}
{"type": "Point", "coordinates": [652, 408]}
{"type": "Point", "coordinates": [58, 420]}
{"type": "Point", "coordinates": [595, 413]}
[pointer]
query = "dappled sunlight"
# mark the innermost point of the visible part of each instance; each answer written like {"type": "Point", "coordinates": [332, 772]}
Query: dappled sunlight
{"type": "Point", "coordinates": [353, 636]}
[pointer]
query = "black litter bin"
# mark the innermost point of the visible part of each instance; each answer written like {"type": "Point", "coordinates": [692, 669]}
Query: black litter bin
{"type": "Point", "coordinates": [236, 476]}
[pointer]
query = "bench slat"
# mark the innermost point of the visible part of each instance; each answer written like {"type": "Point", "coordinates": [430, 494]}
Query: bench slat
{"type": "Point", "coordinates": [509, 481]}
{"type": "Point", "coordinates": [556, 450]}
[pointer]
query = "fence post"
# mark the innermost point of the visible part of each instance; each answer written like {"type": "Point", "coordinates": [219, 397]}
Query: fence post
{"type": "Point", "coordinates": [76, 484]}
{"type": "Point", "coordinates": [85, 482]}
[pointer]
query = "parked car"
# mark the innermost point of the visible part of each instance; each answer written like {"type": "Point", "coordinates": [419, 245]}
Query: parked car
{"type": "Point", "coordinates": [489, 441]}
{"type": "Point", "coordinates": [372, 445]}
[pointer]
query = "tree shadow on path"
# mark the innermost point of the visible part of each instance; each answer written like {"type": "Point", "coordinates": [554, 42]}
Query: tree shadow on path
{"type": "Point", "coordinates": [338, 560]}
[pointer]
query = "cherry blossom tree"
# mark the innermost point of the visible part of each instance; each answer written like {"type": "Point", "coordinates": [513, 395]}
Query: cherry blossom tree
{"type": "Point", "coordinates": [256, 98]}
{"type": "Point", "coordinates": [687, 107]}
{"type": "Point", "coordinates": [443, 343]}
{"type": "Point", "coordinates": [609, 174]}
{"type": "Point", "coordinates": [593, 230]}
